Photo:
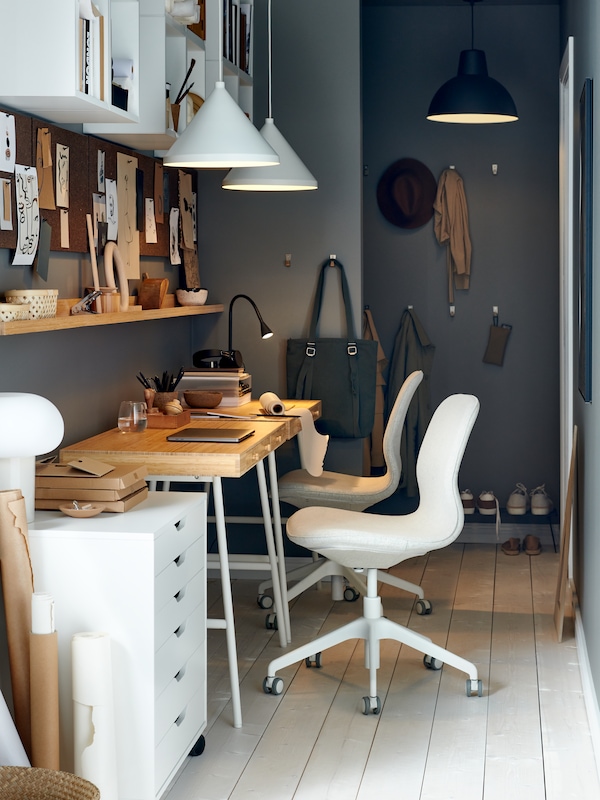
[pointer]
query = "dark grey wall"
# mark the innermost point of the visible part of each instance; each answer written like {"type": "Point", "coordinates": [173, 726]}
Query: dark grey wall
{"type": "Point", "coordinates": [407, 54]}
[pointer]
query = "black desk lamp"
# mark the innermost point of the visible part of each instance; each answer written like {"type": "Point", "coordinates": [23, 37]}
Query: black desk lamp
{"type": "Point", "coordinates": [230, 359]}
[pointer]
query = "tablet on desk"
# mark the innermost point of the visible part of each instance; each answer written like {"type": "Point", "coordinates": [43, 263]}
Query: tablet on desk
{"type": "Point", "coordinates": [216, 435]}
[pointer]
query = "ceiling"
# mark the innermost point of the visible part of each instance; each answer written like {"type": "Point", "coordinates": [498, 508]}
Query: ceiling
{"type": "Point", "coordinates": [459, 2]}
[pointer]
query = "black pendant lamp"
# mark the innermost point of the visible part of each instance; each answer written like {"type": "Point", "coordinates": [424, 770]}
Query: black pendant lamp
{"type": "Point", "coordinates": [472, 97]}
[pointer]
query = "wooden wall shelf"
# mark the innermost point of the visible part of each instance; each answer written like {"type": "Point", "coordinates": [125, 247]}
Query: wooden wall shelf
{"type": "Point", "coordinates": [64, 320]}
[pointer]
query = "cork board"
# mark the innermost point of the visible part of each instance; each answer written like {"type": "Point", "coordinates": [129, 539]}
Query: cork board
{"type": "Point", "coordinates": [25, 156]}
{"type": "Point", "coordinates": [80, 199]}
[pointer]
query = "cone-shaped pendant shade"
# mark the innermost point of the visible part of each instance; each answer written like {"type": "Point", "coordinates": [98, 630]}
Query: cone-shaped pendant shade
{"type": "Point", "coordinates": [290, 175]}
{"type": "Point", "coordinates": [472, 97]}
{"type": "Point", "coordinates": [220, 136]}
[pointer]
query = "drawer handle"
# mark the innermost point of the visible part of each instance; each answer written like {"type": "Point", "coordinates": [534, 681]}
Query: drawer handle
{"type": "Point", "coordinates": [180, 674]}
{"type": "Point", "coordinates": [180, 595]}
{"type": "Point", "coordinates": [181, 717]}
{"type": "Point", "coordinates": [179, 560]}
{"type": "Point", "coordinates": [180, 630]}
{"type": "Point", "coordinates": [180, 524]}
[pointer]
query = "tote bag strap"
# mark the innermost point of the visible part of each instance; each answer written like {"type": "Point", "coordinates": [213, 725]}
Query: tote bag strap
{"type": "Point", "coordinates": [312, 331]}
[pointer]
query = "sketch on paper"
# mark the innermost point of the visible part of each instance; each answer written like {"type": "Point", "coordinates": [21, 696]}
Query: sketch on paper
{"type": "Point", "coordinates": [128, 237]}
{"type": "Point", "coordinates": [28, 214]}
{"type": "Point", "coordinates": [112, 210]}
{"type": "Point", "coordinates": [151, 237]}
{"type": "Point", "coordinates": [174, 236]}
{"type": "Point", "coordinates": [9, 143]}
{"type": "Point", "coordinates": [62, 175]}
{"type": "Point", "coordinates": [101, 171]}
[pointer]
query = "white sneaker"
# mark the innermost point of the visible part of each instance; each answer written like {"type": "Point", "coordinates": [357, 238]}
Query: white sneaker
{"type": "Point", "coordinates": [468, 501]}
{"type": "Point", "coordinates": [540, 502]}
{"type": "Point", "coordinates": [518, 501]}
{"type": "Point", "coordinates": [487, 503]}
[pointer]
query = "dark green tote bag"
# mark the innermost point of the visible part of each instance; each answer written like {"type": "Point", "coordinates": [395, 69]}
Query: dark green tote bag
{"type": "Point", "coordinates": [339, 372]}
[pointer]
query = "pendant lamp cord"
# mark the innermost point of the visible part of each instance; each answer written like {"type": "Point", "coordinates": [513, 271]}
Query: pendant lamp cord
{"type": "Point", "coordinates": [270, 55]}
{"type": "Point", "coordinates": [472, 25]}
{"type": "Point", "coordinates": [220, 39]}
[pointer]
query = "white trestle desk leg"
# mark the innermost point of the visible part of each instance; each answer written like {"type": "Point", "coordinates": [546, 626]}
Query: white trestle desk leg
{"type": "Point", "coordinates": [279, 546]}
{"type": "Point", "coordinates": [283, 623]}
{"type": "Point", "coordinates": [229, 621]}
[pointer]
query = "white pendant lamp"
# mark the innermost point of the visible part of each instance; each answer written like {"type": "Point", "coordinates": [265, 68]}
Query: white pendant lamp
{"type": "Point", "coordinates": [220, 136]}
{"type": "Point", "coordinates": [290, 175]}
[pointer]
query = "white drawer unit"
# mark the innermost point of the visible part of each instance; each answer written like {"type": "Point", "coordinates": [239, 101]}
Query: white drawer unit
{"type": "Point", "coordinates": [141, 577]}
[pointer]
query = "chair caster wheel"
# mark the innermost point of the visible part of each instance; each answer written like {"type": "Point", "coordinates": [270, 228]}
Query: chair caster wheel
{"type": "Point", "coordinates": [273, 685]}
{"type": "Point", "coordinates": [271, 622]}
{"type": "Point", "coordinates": [313, 661]}
{"type": "Point", "coordinates": [198, 748]}
{"type": "Point", "coordinates": [423, 607]}
{"type": "Point", "coordinates": [264, 601]}
{"type": "Point", "coordinates": [474, 688]}
{"type": "Point", "coordinates": [371, 705]}
{"type": "Point", "coordinates": [432, 663]}
{"type": "Point", "coordinates": [350, 594]}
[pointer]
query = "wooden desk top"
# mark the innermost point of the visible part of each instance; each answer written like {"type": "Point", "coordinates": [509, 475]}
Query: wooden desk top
{"type": "Point", "coordinates": [185, 458]}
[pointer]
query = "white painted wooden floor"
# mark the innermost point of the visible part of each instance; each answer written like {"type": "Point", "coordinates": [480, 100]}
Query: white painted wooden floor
{"type": "Point", "coordinates": [527, 738]}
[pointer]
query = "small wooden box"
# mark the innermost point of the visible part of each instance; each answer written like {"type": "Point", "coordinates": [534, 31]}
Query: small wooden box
{"type": "Point", "coordinates": [168, 420]}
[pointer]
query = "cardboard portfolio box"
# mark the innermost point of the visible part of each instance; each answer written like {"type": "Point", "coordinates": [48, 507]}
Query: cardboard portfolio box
{"type": "Point", "coordinates": [63, 493]}
{"type": "Point", "coordinates": [131, 500]}
{"type": "Point", "coordinates": [64, 476]}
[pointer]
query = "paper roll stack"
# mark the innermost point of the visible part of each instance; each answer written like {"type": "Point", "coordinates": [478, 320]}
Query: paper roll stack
{"type": "Point", "coordinates": [95, 755]}
{"type": "Point", "coordinates": [17, 588]}
{"type": "Point", "coordinates": [311, 444]}
{"type": "Point", "coordinates": [43, 650]}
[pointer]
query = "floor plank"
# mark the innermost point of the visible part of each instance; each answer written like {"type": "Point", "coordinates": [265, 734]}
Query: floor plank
{"type": "Point", "coordinates": [527, 737]}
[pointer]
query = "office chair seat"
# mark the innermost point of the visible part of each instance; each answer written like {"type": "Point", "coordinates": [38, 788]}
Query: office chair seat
{"type": "Point", "coordinates": [352, 492]}
{"type": "Point", "coordinates": [371, 542]}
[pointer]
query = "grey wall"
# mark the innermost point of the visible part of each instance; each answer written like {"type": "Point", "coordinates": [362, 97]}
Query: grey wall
{"type": "Point", "coordinates": [581, 20]}
{"type": "Point", "coordinates": [408, 52]}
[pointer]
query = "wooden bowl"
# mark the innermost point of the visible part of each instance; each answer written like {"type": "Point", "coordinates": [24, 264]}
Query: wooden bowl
{"type": "Point", "coordinates": [197, 398]}
{"type": "Point", "coordinates": [93, 510]}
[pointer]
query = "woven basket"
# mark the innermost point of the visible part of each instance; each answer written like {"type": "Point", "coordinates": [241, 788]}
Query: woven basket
{"type": "Point", "coordinates": [33, 783]}
{"type": "Point", "coordinates": [12, 311]}
{"type": "Point", "coordinates": [42, 302]}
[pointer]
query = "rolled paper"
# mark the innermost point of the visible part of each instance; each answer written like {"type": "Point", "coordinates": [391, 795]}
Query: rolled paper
{"type": "Point", "coordinates": [271, 403]}
{"type": "Point", "coordinates": [42, 613]}
{"type": "Point", "coordinates": [311, 444]}
{"type": "Point", "coordinates": [45, 731]}
{"type": "Point", "coordinates": [17, 588]}
{"type": "Point", "coordinates": [12, 752]}
{"type": "Point", "coordinates": [95, 752]}
{"type": "Point", "coordinates": [122, 67]}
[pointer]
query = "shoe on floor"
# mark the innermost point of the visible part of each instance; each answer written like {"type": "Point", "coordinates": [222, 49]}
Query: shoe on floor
{"type": "Point", "coordinates": [512, 546]}
{"type": "Point", "coordinates": [532, 546]}
{"type": "Point", "coordinates": [518, 501]}
{"type": "Point", "coordinates": [540, 502]}
{"type": "Point", "coordinates": [468, 501]}
{"type": "Point", "coordinates": [487, 503]}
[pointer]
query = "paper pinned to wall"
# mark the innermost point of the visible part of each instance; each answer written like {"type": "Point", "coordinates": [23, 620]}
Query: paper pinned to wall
{"type": "Point", "coordinates": [6, 222]}
{"type": "Point", "coordinates": [151, 237]}
{"type": "Point", "coordinates": [62, 175]}
{"type": "Point", "coordinates": [128, 238]}
{"type": "Point", "coordinates": [9, 143]}
{"type": "Point", "coordinates": [28, 215]}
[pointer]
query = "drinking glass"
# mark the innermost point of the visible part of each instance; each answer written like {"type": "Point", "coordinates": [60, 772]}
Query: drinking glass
{"type": "Point", "coordinates": [132, 417]}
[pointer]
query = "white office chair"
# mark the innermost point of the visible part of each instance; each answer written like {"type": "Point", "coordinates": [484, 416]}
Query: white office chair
{"type": "Point", "coordinates": [354, 493]}
{"type": "Point", "coordinates": [371, 541]}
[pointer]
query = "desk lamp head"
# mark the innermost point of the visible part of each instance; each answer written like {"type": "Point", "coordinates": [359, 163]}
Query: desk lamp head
{"type": "Point", "coordinates": [30, 426]}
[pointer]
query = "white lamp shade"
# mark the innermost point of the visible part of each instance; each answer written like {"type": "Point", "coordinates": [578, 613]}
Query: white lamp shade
{"type": "Point", "coordinates": [30, 425]}
{"type": "Point", "coordinates": [220, 136]}
{"type": "Point", "coordinates": [290, 175]}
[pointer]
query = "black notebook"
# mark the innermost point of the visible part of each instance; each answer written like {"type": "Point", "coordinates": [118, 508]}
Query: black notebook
{"type": "Point", "coordinates": [224, 435]}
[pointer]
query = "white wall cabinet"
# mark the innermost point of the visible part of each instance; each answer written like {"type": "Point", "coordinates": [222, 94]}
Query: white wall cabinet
{"type": "Point", "coordinates": [141, 577]}
{"type": "Point", "coordinates": [41, 62]}
{"type": "Point", "coordinates": [167, 48]}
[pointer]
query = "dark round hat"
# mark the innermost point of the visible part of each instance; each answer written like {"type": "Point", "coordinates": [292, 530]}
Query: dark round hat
{"type": "Point", "coordinates": [406, 193]}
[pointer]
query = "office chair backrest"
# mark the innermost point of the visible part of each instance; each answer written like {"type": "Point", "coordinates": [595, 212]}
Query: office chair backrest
{"type": "Point", "coordinates": [394, 428]}
{"type": "Point", "coordinates": [438, 463]}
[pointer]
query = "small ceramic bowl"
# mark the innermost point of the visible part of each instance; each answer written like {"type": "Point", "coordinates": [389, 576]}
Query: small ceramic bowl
{"type": "Point", "coordinates": [92, 510]}
{"type": "Point", "coordinates": [191, 297]}
{"type": "Point", "coordinates": [196, 398]}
